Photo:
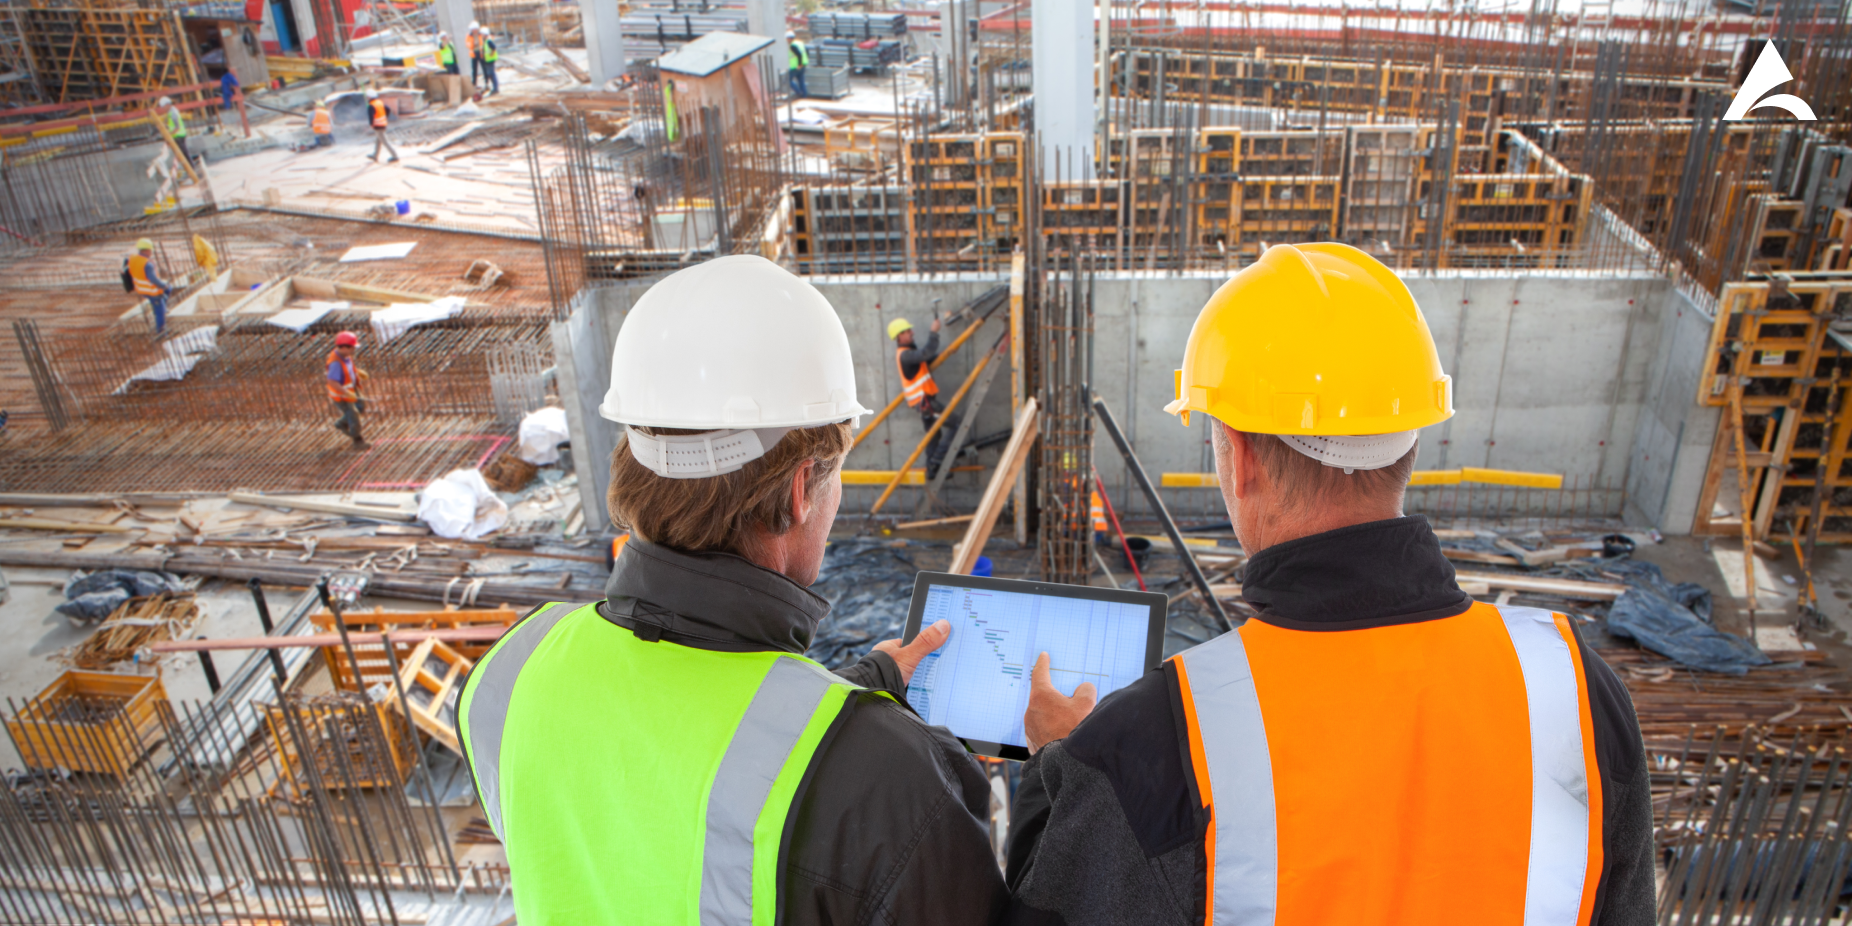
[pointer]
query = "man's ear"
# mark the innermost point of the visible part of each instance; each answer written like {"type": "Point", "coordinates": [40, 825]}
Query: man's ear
{"type": "Point", "coordinates": [1249, 476]}
{"type": "Point", "coordinates": [800, 492]}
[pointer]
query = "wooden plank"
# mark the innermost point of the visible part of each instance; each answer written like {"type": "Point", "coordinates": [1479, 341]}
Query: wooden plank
{"type": "Point", "coordinates": [76, 527]}
{"type": "Point", "coordinates": [359, 639]}
{"type": "Point", "coordinates": [1567, 588]}
{"type": "Point", "coordinates": [935, 522]}
{"type": "Point", "coordinates": [307, 504]}
{"type": "Point", "coordinates": [572, 67]}
{"type": "Point", "coordinates": [1001, 481]}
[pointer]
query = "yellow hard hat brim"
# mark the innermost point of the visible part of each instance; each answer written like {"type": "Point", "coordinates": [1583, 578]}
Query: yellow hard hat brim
{"type": "Point", "coordinates": [898, 325]}
{"type": "Point", "coordinates": [1313, 339]}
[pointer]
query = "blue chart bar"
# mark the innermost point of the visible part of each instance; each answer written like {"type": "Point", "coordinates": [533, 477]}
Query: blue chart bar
{"type": "Point", "coordinates": [977, 683]}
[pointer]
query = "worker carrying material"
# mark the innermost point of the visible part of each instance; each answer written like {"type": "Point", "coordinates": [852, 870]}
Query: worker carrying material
{"type": "Point", "coordinates": [919, 388]}
{"type": "Point", "coordinates": [321, 123]}
{"type": "Point", "coordinates": [141, 277]}
{"type": "Point", "coordinates": [170, 116]}
{"type": "Point", "coordinates": [668, 755]}
{"type": "Point", "coordinates": [344, 386]}
{"type": "Point", "coordinates": [376, 114]}
{"type": "Point", "coordinates": [800, 59]}
{"type": "Point", "coordinates": [446, 53]}
{"type": "Point", "coordinates": [1375, 747]}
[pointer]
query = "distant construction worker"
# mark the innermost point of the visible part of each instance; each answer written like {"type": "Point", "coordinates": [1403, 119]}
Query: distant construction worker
{"type": "Point", "coordinates": [668, 754]}
{"type": "Point", "coordinates": [228, 92]}
{"type": "Point", "coordinates": [321, 123]}
{"type": "Point", "coordinates": [148, 283]}
{"type": "Point", "coordinates": [1489, 766]}
{"type": "Point", "coordinates": [919, 388]}
{"type": "Point", "coordinates": [490, 55]}
{"type": "Point", "coordinates": [446, 53]}
{"type": "Point", "coordinates": [169, 114]}
{"type": "Point", "coordinates": [472, 43]}
{"type": "Point", "coordinates": [344, 386]}
{"type": "Point", "coordinates": [800, 59]}
{"type": "Point", "coordinates": [376, 112]}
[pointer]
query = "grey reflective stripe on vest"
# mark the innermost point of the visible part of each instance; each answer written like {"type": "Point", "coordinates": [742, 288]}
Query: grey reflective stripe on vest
{"type": "Point", "coordinates": [492, 686]}
{"type": "Point", "coordinates": [1559, 772]}
{"type": "Point", "coordinates": [1234, 738]}
{"type": "Point", "coordinates": [780, 710]}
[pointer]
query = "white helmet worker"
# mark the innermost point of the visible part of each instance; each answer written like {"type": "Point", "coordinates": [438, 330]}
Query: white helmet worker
{"type": "Point", "coordinates": [737, 347]}
{"type": "Point", "coordinates": [164, 101]}
{"type": "Point", "coordinates": [372, 94]}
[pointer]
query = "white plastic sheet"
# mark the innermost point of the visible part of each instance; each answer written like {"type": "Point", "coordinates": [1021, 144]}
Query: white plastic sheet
{"type": "Point", "coordinates": [299, 320]}
{"type": "Point", "coordinates": [392, 251]}
{"type": "Point", "coordinates": [462, 506]}
{"type": "Point", "coordinates": [400, 317]}
{"type": "Point", "coordinates": [179, 356]}
{"type": "Point", "coordinates": [541, 434]}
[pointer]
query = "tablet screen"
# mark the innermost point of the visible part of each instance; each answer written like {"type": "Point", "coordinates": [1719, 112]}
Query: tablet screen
{"type": "Point", "coordinates": [977, 684]}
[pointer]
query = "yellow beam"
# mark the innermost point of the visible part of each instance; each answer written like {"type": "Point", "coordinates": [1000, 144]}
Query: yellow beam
{"type": "Point", "coordinates": [1420, 477]}
{"type": "Point", "coordinates": [881, 477]}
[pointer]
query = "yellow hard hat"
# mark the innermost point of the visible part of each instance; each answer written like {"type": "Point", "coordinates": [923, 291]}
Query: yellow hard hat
{"type": "Point", "coordinates": [145, 244]}
{"type": "Point", "coordinates": [895, 327]}
{"type": "Point", "coordinates": [1313, 339]}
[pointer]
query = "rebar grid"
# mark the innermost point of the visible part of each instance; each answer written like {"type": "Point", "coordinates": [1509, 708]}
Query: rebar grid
{"type": "Point", "coordinates": [1063, 374]}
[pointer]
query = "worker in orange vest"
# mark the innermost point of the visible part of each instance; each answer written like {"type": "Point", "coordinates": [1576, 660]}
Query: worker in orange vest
{"type": "Point", "coordinates": [147, 283]}
{"type": "Point", "coordinates": [472, 42]}
{"type": "Point", "coordinates": [321, 123]}
{"type": "Point", "coordinates": [376, 113]}
{"type": "Point", "coordinates": [344, 386]}
{"type": "Point", "coordinates": [1373, 746]}
{"type": "Point", "coordinates": [916, 384]}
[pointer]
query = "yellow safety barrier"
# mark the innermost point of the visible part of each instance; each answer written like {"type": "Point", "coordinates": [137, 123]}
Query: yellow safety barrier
{"type": "Point", "coordinates": [881, 477]}
{"type": "Point", "coordinates": [1420, 477]}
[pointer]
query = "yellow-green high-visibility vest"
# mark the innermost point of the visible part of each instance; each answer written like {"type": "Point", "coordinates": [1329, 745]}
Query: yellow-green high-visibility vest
{"type": "Point", "coordinates": [446, 54]}
{"type": "Point", "coordinates": [176, 124]}
{"type": "Point", "coordinates": [638, 781]}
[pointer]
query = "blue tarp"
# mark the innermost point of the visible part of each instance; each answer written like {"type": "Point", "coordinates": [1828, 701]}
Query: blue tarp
{"type": "Point", "coordinates": [869, 584]}
{"type": "Point", "coordinates": [1673, 620]}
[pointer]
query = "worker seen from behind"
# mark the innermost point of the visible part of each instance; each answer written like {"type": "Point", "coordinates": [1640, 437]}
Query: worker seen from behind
{"type": "Point", "coordinates": [1374, 746]}
{"type": "Point", "coordinates": [472, 43]}
{"type": "Point", "coordinates": [668, 754]}
{"type": "Point", "coordinates": [800, 59]}
{"type": "Point", "coordinates": [490, 55]}
{"type": "Point", "coordinates": [147, 283]}
{"type": "Point", "coordinates": [919, 388]}
{"type": "Point", "coordinates": [321, 124]}
{"type": "Point", "coordinates": [344, 386]}
{"type": "Point", "coordinates": [169, 114]}
{"type": "Point", "coordinates": [376, 114]}
{"type": "Point", "coordinates": [446, 53]}
{"type": "Point", "coordinates": [228, 92]}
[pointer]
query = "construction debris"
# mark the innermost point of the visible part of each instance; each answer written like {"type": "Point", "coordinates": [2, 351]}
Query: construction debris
{"type": "Point", "coordinates": [133, 626]}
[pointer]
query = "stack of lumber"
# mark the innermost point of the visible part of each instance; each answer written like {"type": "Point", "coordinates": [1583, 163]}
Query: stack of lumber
{"type": "Point", "coordinates": [134, 625]}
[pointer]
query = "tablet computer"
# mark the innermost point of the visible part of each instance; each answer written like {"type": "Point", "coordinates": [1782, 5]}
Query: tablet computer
{"type": "Point", "coordinates": [977, 684]}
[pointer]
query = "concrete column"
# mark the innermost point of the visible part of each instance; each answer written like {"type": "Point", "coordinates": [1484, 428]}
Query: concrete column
{"type": "Point", "coordinates": [955, 38]}
{"type": "Point", "coordinates": [767, 18]}
{"type": "Point", "coordinates": [604, 40]}
{"type": "Point", "coordinates": [453, 16]}
{"type": "Point", "coordinates": [1062, 43]}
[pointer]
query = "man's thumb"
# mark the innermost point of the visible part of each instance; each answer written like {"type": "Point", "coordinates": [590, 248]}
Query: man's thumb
{"type": "Point", "coordinates": [1086, 694]}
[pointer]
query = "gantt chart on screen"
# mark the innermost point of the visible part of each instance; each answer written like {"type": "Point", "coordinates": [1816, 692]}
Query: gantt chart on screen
{"type": "Point", "coordinates": [978, 682]}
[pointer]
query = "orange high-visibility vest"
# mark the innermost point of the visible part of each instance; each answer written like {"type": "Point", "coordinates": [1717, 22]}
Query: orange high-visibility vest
{"type": "Point", "coordinates": [321, 123]}
{"type": "Point", "coordinates": [379, 113]}
{"type": "Point", "coordinates": [349, 387]}
{"type": "Point", "coordinates": [1478, 800]}
{"type": "Point", "coordinates": [138, 270]}
{"type": "Point", "coordinates": [1099, 514]}
{"type": "Point", "coordinates": [920, 386]}
{"type": "Point", "coordinates": [473, 42]}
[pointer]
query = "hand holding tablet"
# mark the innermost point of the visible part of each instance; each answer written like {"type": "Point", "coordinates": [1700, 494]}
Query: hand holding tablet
{"type": "Point", "coordinates": [978, 683]}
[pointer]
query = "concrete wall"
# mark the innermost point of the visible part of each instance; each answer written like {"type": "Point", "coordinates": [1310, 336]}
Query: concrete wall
{"type": "Point", "coordinates": [1581, 375]}
{"type": "Point", "coordinates": [1672, 445]}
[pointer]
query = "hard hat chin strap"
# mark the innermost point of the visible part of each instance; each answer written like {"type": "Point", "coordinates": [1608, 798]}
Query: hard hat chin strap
{"type": "Point", "coordinates": [700, 456]}
{"type": "Point", "coordinates": [1352, 452]}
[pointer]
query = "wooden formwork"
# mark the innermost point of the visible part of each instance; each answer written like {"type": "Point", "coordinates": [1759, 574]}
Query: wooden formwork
{"type": "Point", "coordinates": [339, 741]}
{"type": "Point", "coordinates": [1774, 341]}
{"type": "Point", "coordinates": [433, 682]}
{"type": "Point", "coordinates": [88, 53]}
{"type": "Point", "coordinates": [374, 667]}
{"type": "Point", "coordinates": [90, 722]}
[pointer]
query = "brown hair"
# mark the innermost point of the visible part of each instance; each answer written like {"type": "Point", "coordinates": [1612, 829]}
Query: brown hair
{"type": "Point", "coordinates": [714, 514]}
{"type": "Point", "coordinates": [1303, 481]}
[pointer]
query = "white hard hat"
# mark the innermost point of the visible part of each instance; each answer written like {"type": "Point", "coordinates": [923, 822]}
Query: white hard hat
{"type": "Point", "coordinates": [372, 94]}
{"type": "Point", "coordinates": [474, 24]}
{"type": "Point", "coordinates": [165, 101]}
{"type": "Point", "coordinates": [738, 347]}
{"type": "Point", "coordinates": [790, 35]}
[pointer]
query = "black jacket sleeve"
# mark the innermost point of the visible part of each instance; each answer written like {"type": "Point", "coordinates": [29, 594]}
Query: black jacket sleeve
{"type": "Point", "coordinates": [912, 357]}
{"type": "Point", "coordinates": [1625, 895]}
{"type": "Point", "coordinates": [876, 671]}
{"type": "Point", "coordinates": [891, 828]}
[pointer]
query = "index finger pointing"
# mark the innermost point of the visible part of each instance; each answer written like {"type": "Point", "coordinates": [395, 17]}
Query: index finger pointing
{"type": "Point", "coordinates": [1038, 676]}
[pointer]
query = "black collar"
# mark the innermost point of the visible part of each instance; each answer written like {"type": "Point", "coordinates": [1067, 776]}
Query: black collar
{"type": "Point", "coordinates": [714, 601]}
{"type": "Point", "coordinates": [1365, 575]}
